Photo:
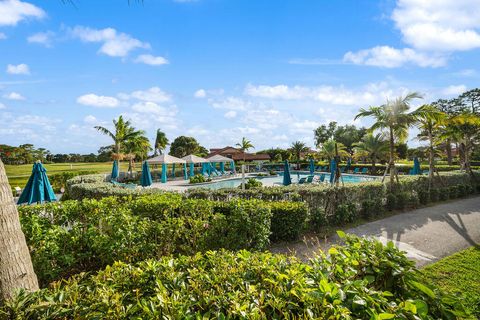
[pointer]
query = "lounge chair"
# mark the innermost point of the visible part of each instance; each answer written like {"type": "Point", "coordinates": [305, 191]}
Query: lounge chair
{"type": "Point", "coordinates": [302, 180]}
{"type": "Point", "coordinates": [322, 177]}
{"type": "Point", "coordinates": [426, 172]}
{"type": "Point", "coordinates": [355, 171]}
{"type": "Point", "coordinates": [310, 179]}
{"type": "Point", "coordinates": [364, 171]}
{"type": "Point", "coordinates": [18, 191]}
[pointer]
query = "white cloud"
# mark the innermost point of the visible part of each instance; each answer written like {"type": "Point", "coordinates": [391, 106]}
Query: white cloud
{"type": "Point", "coordinates": [90, 120]}
{"type": "Point", "coordinates": [114, 44]}
{"type": "Point", "coordinates": [230, 103]}
{"type": "Point", "coordinates": [2, 106]}
{"type": "Point", "coordinates": [388, 57]}
{"type": "Point", "coordinates": [154, 94]}
{"type": "Point", "coordinates": [98, 101]}
{"type": "Point", "coordinates": [44, 38]}
{"type": "Point", "coordinates": [454, 90]}
{"type": "Point", "coordinates": [18, 69]}
{"type": "Point", "coordinates": [200, 93]}
{"type": "Point", "coordinates": [446, 25]}
{"type": "Point", "coordinates": [14, 96]}
{"type": "Point", "coordinates": [151, 60]}
{"type": "Point", "coordinates": [3, 36]}
{"type": "Point", "coordinates": [153, 108]}
{"type": "Point", "coordinates": [230, 114]}
{"type": "Point", "coordinates": [14, 11]}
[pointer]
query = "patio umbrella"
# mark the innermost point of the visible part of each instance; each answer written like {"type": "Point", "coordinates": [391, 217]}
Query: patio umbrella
{"type": "Point", "coordinates": [333, 168]}
{"type": "Point", "coordinates": [232, 165]}
{"type": "Point", "coordinates": [312, 167]}
{"type": "Point", "coordinates": [164, 173]}
{"type": "Point", "coordinates": [416, 166]}
{"type": "Point", "coordinates": [38, 188]}
{"type": "Point", "coordinates": [114, 174]}
{"type": "Point", "coordinates": [286, 174]}
{"type": "Point", "coordinates": [146, 178]}
{"type": "Point", "coordinates": [192, 169]}
{"type": "Point", "coordinates": [222, 167]}
{"type": "Point", "coordinates": [185, 174]}
{"type": "Point", "coordinates": [349, 163]}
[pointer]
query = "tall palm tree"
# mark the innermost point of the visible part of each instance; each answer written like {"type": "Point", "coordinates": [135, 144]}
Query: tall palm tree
{"type": "Point", "coordinates": [372, 147]}
{"type": "Point", "coordinates": [161, 142]}
{"type": "Point", "coordinates": [429, 120]}
{"type": "Point", "coordinates": [392, 117]}
{"type": "Point", "coordinates": [123, 131]}
{"type": "Point", "coordinates": [330, 148]}
{"type": "Point", "coordinates": [244, 146]}
{"type": "Point", "coordinates": [136, 148]}
{"type": "Point", "coordinates": [16, 269]}
{"type": "Point", "coordinates": [297, 148]}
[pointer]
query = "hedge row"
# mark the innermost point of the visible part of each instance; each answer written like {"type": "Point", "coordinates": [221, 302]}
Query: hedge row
{"type": "Point", "coordinates": [74, 236]}
{"type": "Point", "coordinates": [363, 280]}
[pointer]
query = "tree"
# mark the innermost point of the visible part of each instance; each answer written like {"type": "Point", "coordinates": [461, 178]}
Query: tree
{"type": "Point", "coordinates": [428, 120]}
{"type": "Point", "coordinates": [136, 148]}
{"type": "Point", "coordinates": [328, 151]}
{"type": "Point", "coordinates": [244, 146]}
{"type": "Point", "coordinates": [324, 133]}
{"type": "Point", "coordinates": [471, 100]}
{"type": "Point", "coordinates": [183, 146]}
{"type": "Point", "coordinates": [298, 148]}
{"type": "Point", "coordinates": [16, 269]}
{"type": "Point", "coordinates": [123, 131]}
{"type": "Point", "coordinates": [392, 117]}
{"type": "Point", "coordinates": [161, 142]}
{"type": "Point", "coordinates": [348, 135]}
{"type": "Point", "coordinates": [372, 147]}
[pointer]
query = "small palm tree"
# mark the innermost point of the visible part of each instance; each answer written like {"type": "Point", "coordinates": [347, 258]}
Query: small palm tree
{"type": "Point", "coordinates": [123, 131]}
{"type": "Point", "coordinates": [244, 146]}
{"type": "Point", "coordinates": [297, 149]}
{"type": "Point", "coordinates": [429, 120]}
{"type": "Point", "coordinates": [372, 147]}
{"type": "Point", "coordinates": [161, 142]}
{"type": "Point", "coordinates": [330, 148]}
{"type": "Point", "coordinates": [394, 118]}
{"type": "Point", "coordinates": [136, 148]}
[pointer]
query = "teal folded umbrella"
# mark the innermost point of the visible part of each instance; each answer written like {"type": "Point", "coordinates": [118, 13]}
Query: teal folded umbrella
{"type": "Point", "coordinates": [287, 180]}
{"type": "Point", "coordinates": [146, 179]}
{"type": "Point", "coordinates": [333, 168]}
{"type": "Point", "coordinates": [416, 166]}
{"type": "Point", "coordinates": [164, 173]}
{"type": "Point", "coordinates": [38, 188]}
{"type": "Point", "coordinates": [222, 167]}
{"type": "Point", "coordinates": [114, 174]}
{"type": "Point", "coordinates": [312, 167]}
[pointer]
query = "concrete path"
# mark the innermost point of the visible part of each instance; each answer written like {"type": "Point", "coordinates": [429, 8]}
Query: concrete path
{"type": "Point", "coordinates": [426, 234]}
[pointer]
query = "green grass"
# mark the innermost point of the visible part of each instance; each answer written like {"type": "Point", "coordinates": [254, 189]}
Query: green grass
{"type": "Point", "coordinates": [459, 274]}
{"type": "Point", "coordinates": [18, 174]}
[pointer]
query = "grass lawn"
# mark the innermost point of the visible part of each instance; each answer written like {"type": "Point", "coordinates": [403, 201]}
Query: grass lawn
{"type": "Point", "coordinates": [18, 174]}
{"type": "Point", "coordinates": [459, 274]}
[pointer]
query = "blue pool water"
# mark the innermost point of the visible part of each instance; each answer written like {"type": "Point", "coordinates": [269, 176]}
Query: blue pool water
{"type": "Point", "coordinates": [277, 180]}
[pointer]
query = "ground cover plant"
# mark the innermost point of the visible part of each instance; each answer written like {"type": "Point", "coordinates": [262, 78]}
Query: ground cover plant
{"type": "Point", "coordinates": [361, 280]}
{"type": "Point", "coordinates": [459, 274]}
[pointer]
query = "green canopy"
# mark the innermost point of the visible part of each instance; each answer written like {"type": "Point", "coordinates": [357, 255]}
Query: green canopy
{"type": "Point", "coordinates": [38, 188]}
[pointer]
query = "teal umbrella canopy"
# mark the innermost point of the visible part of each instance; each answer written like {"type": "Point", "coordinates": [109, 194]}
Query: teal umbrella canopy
{"type": "Point", "coordinates": [114, 174]}
{"type": "Point", "coordinates": [416, 166]}
{"type": "Point", "coordinates": [287, 180]}
{"type": "Point", "coordinates": [349, 163]}
{"type": "Point", "coordinates": [146, 179]}
{"type": "Point", "coordinates": [333, 168]}
{"type": "Point", "coordinates": [312, 167]}
{"type": "Point", "coordinates": [38, 188]}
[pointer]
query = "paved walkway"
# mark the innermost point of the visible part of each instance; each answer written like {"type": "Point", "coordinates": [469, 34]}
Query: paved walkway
{"type": "Point", "coordinates": [426, 234]}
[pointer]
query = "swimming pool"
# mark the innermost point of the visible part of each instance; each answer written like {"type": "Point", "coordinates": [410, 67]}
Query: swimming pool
{"type": "Point", "coordinates": [277, 180]}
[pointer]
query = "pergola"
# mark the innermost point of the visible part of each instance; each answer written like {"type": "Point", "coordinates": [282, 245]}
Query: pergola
{"type": "Point", "coordinates": [164, 160]}
{"type": "Point", "coordinates": [191, 160]}
{"type": "Point", "coordinates": [222, 160]}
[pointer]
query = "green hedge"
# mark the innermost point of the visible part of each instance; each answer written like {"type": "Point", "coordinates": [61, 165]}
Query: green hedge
{"type": "Point", "coordinates": [73, 236]}
{"type": "Point", "coordinates": [363, 280]}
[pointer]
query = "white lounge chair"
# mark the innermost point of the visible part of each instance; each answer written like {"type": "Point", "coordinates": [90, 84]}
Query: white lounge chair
{"type": "Point", "coordinates": [18, 191]}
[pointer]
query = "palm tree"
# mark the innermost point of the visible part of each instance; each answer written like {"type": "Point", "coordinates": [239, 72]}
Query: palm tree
{"type": "Point", "coordinates": [429, 120]}
{"type": "Point", "coordinates": [16, 269]}
{"type": "Point", "coordinates": [372, 147]}
{"type": "Point", "coordinates": [161, 142]}
{"type": "Point", "coordinates": [136, 148]}
{"type": "Point", "coordinates": [330, 148]}
{"type": "Point", "coordinates": [297, 149]}
{"type": "Point", "coordinates": [244, 146]}
{"type": "Point", "coordinates": [122, 133]}
{"type": "Point", "coordinates": [392, 117]}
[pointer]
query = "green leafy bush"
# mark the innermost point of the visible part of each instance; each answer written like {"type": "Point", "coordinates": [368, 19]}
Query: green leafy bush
{"type": "Point", "coordinates": [252, 183]}
{"type": "Point", "coordinates": [199, 178]}
{"type": "Point", "coordinates": [288, 220]}
{"type": "Point", "coordinates": [363, 280]}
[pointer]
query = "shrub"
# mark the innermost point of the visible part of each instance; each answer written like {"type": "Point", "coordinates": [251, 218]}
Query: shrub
{"type": "Point", "coordinates": [371, 208]}
{"type": "Point", "coordinates": [453, 192]}
{"type": "Point", "coordinates": [345, 213]}
{"type": "Point", "coordinates": [198, 178]}
{"type": "Point", "coordinates": [401, 200]}
{"type": "Point", "coordinates": [363, 280]}
{"type": "Point", "coordinates": [434, 195]}
{"type": "Point", "coordinates": [252, 183]}
{"type": "Point", "coordinates": [288, 220]}
{"type": "Point", "coordinates": [391, 201]}
{"type": "Point", "coordinates": [424, 197]}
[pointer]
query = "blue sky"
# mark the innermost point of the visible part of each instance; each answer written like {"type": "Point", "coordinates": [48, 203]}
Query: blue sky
{"type": "Point", "coordinates": [218, 70]}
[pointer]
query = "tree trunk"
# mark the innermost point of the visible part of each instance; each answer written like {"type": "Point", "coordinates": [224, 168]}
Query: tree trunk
{"type": "Point", "coordinates": [16, 270]}
{"type": "Point", "coordinates": [448, 149]}
{"type": "Point", "coordinates": [430, 157]}
{"type": "Point", "coordinates": [391, 163]}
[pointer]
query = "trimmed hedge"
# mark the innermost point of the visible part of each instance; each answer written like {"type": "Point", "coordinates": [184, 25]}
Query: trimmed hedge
{"type": "Point", "coordinates": [363, 280]}
{"type": "Point", "coordinates": [74, 236]}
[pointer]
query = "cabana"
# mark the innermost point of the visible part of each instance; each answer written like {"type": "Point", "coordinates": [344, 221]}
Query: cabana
{"type": "Point", "coordinates": [191, 160]}
{"type": "Point", "coordinates": [164, 160]}
{"type": "Point", "coordinates": [222, 160]}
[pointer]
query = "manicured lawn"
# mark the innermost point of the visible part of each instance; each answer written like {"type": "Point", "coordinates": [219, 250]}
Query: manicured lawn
{"type": "Point", "coordinates": [18, 174]}
{"type": "Point", "coordinates": [459, 274]}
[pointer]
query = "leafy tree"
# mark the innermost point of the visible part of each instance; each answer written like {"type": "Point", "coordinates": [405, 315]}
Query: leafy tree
{"type": "Point", "coordinates": [471, 100]}
{"type": "Point", "coordinates": [392, 117]}
{"type": "Point", "coordinates": [372, 147]}
{"type": "Point", "coordinates": [324, 133]}
{"type": "Point", "coordinates": [348, 135]}
{"type": "Point", "coordinates": [161, 142]}
{"type": "Point", "coordinates": [244, 146]}
{"type": "Point", "coordinates": [183, 146]}
{"type": "Point", "coordinates": [297, 149]}
{"type": "Point", "coordinates": [136, 148]}
{"type": "Point", "coordinates": [328, 151]}
{"type": "Point", "coordinates": [123, 132]}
